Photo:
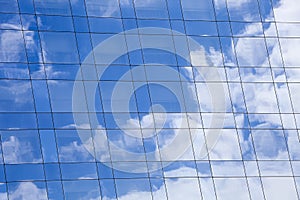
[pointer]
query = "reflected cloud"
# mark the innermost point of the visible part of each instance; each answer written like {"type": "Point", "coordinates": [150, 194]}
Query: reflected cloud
{"type": "Point", "coordinates": [21, 149]}
{"type": "Point", "coordinates": [17, 93]}
{"type": "Point", "coordinates": [28, 190]}
{"type": "Point", "coordinates": [11, 46]}
{"type": "Point", "coordinates": [236, 4]}
{"type": "Point", "coordinates": [74, 152]}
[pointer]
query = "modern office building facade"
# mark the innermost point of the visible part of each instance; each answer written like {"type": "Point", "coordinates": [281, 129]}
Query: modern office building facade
{"type": "Point", "coordinates": [149, 99]}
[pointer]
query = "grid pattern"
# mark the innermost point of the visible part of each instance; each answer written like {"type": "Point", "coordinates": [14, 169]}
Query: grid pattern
{"type": "Point", "coordinates": [252, 45]}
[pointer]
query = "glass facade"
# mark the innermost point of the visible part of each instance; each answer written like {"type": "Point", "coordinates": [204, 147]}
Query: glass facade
{"type": "Point", "coordinates": [149, 99]}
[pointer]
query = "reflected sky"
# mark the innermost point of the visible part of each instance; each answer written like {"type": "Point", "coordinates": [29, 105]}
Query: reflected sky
{"type": "Point", "coordinates": [147, 98]}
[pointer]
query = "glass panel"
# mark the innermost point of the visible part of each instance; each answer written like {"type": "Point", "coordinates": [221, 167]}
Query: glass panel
{"type": "Point", "coordinates": [151, 9]}
{"type": "Point", "coordinates": [59, 47]}
{"type": "Point", "coordinates": [197, 10]}
{"type": "Point", "coordinates": [255, 188]}
{"type": "Point", "coordinates": [207, 188]}
{"type": "Point", "coordinates": [79, 171]}
{"type": "Point", "coordinates": [260, 98]}
{"type": "Point", "coordinates": [201, 28]}
{"type": "Point", "coordinates": [294, 96]}
{"type": "Point", "coordinates": [24, 172]}
{"type": "Point", "coordinates": [104, 8]}
{"type": "Point", "coordinates": [70, 147]}
{"type": "Point", "coordinates": [225, 188]}
{"type": "Point", "coordinates": [83, 189]}
{"type": "Point", "coordinates": [52, 7]}
{"type": "Point", "coordinates": [251, 52]}
{"type": "Point", "coordinates": [48, 142]}
{"type": "Point", "coordinates": [18, 96]}
{"type": "Point", "coordinates": [99, 25]}
{"type": "Point", "coordinates": [52, 171]}
{"type": "Point", "coordinates": [274, 138]}
{"type": "Point", "coordinates": [182, 188]}
{"type": "Point", "coordinates": [227, 169]}
{"type": "Point", "coordinates": [133, 187]}
{"type": "Point", "coordinates": [287, 45]}
{"type": "Point", "coordinates": [274, 168]}
{"type": "Point", "coordinates": [12, 46]}
{"type": "Point", "coordinates": [226, 147]}
{"type": "Point", "coordinates": [14, 71]}
{"type": "Point", "coordinates": [49, 23]}
{"type": "Point", "coordinates": [243, 10]}
{"type": "Point", "coordinates": [21, 147]}
{"type": "Point", "coordinates": [286, 185]}
{"type": "Point", "coordinates": [11, 6]}
{"type": "Point", "coordinates": [246, 29]}
{"type": "Point", "coordinates": [10, 121]}
{"type": "Point", "coordinates": [55, 190]}
{"type": "Point", "coordinates": [34, 190]}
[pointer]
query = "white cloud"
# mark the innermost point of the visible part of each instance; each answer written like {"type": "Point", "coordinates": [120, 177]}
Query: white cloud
{"type": "Point", "coordinates": [279, 188]}
{"type": "Point", "coordinates": [189, 188]}
{"type": "Point", "coordinates": [19, 151]}
{"type": "Point", "coordinates": [270, 145]}
{"type": "Point", "coordinates": [74, 151]}
{"type": "Point", "coordinates": [12, 41]}
{"type": "Point", "coordinates": [260, 98]}
{"type": "Point", "coordinates": [287, 11]}
{"type": "Point", "coordinates": [18, 92]}
{"type": "Point", "coordinates": [28, 191]}
{"type": "Point", "coordinates": [236, 4]}
{"type": "Point", "coordinates": [11, 46]}
{"type": "Point", "coordinates": [226, 147]}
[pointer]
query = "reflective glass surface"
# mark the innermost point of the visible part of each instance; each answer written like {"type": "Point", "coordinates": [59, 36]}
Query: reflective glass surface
{"type": "Point", "coordinates": [149, 99]}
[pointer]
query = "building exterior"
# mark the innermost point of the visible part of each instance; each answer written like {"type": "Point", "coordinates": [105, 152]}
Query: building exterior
{"type": "Point", "coordinates": [149, 99]}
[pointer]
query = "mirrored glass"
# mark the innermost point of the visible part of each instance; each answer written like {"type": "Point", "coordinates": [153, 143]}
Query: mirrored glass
{"type": "Point", "coordinates": [12, 46]}
{"type": "Point", "coordinates": [108, 25]}
{"type": "Point", "coordinates": [16, 121]}
{"type": "Point", "coordinates": [151, 9]}
{"type": "Point", "coordinates": [55, 190]}
{"type": "Point", "coordinates": [11, 6]}
{"type": "Point", "coordinates": [275, 168]}
{"type": "Point", "coordinates": [10, 21]}
{"type": "Point", "coordinates": [78, 171]}
{"type": "Point", "coordinates": [286, 184]}
{"type": "Point", "coordinates": [83, 189]}
{"type": "Point", "coordinates": [49, 146]}
{"type": "Point", "coordinates": [255, 188]}
{"type": "Point", "coordinates": [263, 138]}
{"type": "Point", "coordinates": [59, 47]}
{"type": "Point", "coordinates": [105, 8]}
{"type": "Point", "coordinates": [243, 10]}
{"type": "Point", "coordinates": [226, 147]}
{"type": "Point", "coordinates": [251, 52]}
{"type": "Point", "coordinates": [49, 23]}
{"type": "Point", "coordinates": [189, 188]}
{"type": "Point", "coordinates": [260, 98]}
{"type": "Point", "coordinates": [287, 45]}
{"type": "Point", "coordinates": [52, 171]}
{"type": "Point", "coordinates": [227, 168]}
{"type": "Point", "coordinates": [36, 190]}
{"type": "Point", "coordinates": [247, 29]}
{"type": "Point", "coordinates": [226, 187]}
{"type": "Point", "coordinates": [294, 87]}
{"type": "Point", "coordinates": [197, 10]}
{"type": "Point", "coordinates": [24, 172]}
{"type": "Point", "coordinates": [14, 71]}
{"type": "Point", "coordinates": [52, 7]}
{"type": "Point", "coordinates": [71, 148]}
{"type": "Point", "coordinates": [21, 147]}
{"type": "Point", "coordinates": [201, 28]}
